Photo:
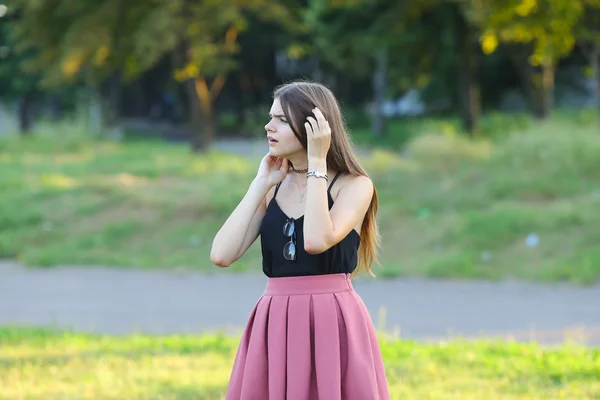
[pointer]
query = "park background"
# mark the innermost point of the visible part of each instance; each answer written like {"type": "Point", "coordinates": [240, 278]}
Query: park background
{"type": "Point", "coordinates": [130, 130]}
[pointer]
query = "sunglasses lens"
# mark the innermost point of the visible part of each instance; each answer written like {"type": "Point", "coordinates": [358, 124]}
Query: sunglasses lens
{"type": "Point", "coordinates": [289, 251]}
{"type": "Point", "coordinates": [288, 228]}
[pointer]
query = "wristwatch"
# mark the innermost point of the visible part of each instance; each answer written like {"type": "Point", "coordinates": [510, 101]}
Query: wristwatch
{"type": "Point", "coordinates": [317, 174]}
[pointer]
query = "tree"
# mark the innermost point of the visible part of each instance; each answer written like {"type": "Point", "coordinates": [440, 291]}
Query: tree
{"type": "Point", "coordinates": [100, 41]}
{"type": "Point", "coordinates": [539, 35]}
{"type": "Point", "coordinates": [202, 37]}
{"type": "Point", "coordinates": [451, 33]}
{"type": "Point", "coordinates": [14, 84]}
{"type": "Point", "coordinates": [86, 41]}
{"type": "Point", "coordinates": [587, 34]}
{"type": "Point", "coordinates": [431, 45]}
{"type": "Point", "coordinates": [467, 31]}
{"type": "Point", "coordinates": [363, 38]}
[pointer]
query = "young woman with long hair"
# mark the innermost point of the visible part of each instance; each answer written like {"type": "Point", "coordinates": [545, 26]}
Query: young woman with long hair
{"type": "Point", "coordinates": [309, 336]}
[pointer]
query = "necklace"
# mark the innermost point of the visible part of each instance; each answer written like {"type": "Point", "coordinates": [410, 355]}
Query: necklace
{"type": "Point", "coordinates": [299, 171]}
{"type": "Point", "coordinates": [301, 193]}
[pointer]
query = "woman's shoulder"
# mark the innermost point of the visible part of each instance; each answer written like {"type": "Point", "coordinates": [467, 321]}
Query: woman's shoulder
{"type": "Point", "coordinates": [348, 183]}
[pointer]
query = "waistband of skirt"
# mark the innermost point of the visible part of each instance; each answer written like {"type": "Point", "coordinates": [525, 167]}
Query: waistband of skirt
{"type": "Point", "coordinates": [310, 284]}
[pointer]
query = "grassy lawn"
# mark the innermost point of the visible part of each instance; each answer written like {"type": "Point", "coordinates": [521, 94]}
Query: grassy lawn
{"type": "Point", "coordinates": [48, 364]}
{"type": "Point", "coordinates": [450, 207]}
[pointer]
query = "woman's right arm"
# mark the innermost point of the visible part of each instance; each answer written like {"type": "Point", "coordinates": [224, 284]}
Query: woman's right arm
{"type": "Point", "coordinates": [242, 227]}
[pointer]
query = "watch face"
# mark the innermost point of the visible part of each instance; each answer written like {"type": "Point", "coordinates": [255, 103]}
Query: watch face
{"type": "Point", "coordinates": [317, 174]}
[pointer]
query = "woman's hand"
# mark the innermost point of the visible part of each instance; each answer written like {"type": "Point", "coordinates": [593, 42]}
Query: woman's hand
{"type": "Point", "coordinates": [318, 136]}
{"type": "Point", "coordinates": [272, 170]}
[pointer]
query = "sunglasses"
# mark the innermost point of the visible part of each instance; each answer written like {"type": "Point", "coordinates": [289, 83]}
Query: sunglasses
{"type": "Point", "coordinates": [289, 230]}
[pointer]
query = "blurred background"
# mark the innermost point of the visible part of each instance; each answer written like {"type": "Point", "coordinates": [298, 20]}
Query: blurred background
{"type": "Point", "coordinates": [129, 131]}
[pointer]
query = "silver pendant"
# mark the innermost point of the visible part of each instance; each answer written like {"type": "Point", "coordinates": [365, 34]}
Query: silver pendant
{"type": "Point", "coordinates": [301, 197]}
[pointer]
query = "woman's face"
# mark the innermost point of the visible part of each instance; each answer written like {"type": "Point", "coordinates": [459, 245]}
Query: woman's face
{"type": "Point", "coordinates": [281, 138]}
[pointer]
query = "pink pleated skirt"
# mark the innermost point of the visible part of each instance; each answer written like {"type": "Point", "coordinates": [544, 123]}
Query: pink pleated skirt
{"type": "Point", "coordinates": [309, 338]}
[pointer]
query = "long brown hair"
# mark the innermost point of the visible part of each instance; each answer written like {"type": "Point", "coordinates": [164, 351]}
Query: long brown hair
{"type": "Point", "coordinates": [297, 101]}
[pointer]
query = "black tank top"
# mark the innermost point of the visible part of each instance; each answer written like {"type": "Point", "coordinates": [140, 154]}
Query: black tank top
{"type": "Point", "coordinates": [341, 258]}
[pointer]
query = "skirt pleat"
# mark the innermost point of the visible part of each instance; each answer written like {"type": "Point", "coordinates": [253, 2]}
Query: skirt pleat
{"type": "Point", "coordinates": [299, 347]}
{"type": "Point", "coordinates": [309, 338]}
{"type": "Point", "coordinates": [277, 349]}
{"type": "Point", "coordinates": [360, 379]}
{"type": "Point", "coordinates": [382, 387]}
{"type": "Point", "coordinates": [256, 366]}
{"type": "Point", "coordinates": [327, 346]}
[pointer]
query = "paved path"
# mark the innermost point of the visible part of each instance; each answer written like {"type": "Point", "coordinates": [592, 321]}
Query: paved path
{"type": "Point", "coordinates": [119, 301]}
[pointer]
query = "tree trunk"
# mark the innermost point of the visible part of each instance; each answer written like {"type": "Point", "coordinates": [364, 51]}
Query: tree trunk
{"type": "Point", "coordinates": [317, 71]}
{"type": "Point", "coordinates": [597, 82]}
{"type": "Point", "coordinates": [203, 132]}
{"type": "Point", "coordinates": [469, 85]}
{"type": "Point", "coordinates": [203, 140]}
{"type": "Point", "coordinates": [95, 111]}
{"type": "Point", "coordinates": [138, 106]}
{"type": "Point", "coordinates": [201, 101]}
{"type": "Point", "coordinates": [542, 79]}
{"type": "Point", "coordinates": [111, 104]}
{"type": "Point", "coordinates": [538, 82]}
{"type": "Point", "coordinates": [244, 100]}
{"type": "Point", "coordinates": [53, 105]}
{"type": "Point", "coordinates": [26, 112]}
{"type": "Point", "coordinates": [593, 56]}
{"type": "Point", "coordinates": [379, 89]}
{"type": "Point", "coordinates": [197, 142]}
{"type": "Point", "coordinates": [596, 71]}
{"type": "Point", "coordinates": [543, 85]}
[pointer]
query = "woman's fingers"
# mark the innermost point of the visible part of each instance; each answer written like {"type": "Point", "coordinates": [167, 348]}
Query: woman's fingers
{"type": "Point", "coordinates": [309, 129]}
{"type": "Point", "coordinates": [314, 125]}
{"type": "Point", "coordinates": [323, 123]}
{"type": "Point", "coordinates": [284, 166]}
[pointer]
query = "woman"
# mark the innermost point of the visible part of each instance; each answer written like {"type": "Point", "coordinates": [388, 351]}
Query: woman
{"type": "Point", "coordinates": [309, 336]}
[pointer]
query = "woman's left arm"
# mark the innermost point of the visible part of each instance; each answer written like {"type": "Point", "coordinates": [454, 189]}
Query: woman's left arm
{"type": "Point", "coordinates": [323, 228]}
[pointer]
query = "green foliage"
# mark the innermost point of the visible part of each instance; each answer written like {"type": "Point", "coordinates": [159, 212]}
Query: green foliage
{"type": "Point", "coordinates": [56, 363]}
{"type": "Point", "coordinates": [402, 130]}
{"type": "Point", "coordinates": [64, 37]}
{"type": "Point", "coordinates": [93, 38]}
{"type": "Point", "coordinates": [91, 41]}
{"type": "Point", "coordinates": [548, 26]}
{"type": "Point", "coordinates": [588, 29]}
{"type": "Point", "coordinates": [13, 83]}
{"type": "Point", "coordinates": [367, 26]}
{"type": "Point", "coordinates": [201, 33]}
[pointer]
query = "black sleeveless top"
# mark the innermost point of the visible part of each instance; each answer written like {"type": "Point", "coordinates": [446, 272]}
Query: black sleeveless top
{"type": "Point", "coordinates": [341, 258]}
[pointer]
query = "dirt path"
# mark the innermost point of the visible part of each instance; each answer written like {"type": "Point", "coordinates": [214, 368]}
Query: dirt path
{"type": "Point", "coordinates": [118, 301]}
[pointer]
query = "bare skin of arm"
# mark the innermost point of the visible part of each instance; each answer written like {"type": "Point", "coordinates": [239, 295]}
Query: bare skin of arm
{"type": "Point", "coordinates": [324, 228]}
{"type": "Point", "coordinates": [241, 229]}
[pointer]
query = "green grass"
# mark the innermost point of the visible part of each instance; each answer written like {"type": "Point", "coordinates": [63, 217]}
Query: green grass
{"type": "Point", "coordinates": [450, 207]}
{"type": "Point", "coordinates": [36, 363]}
{"type": "Point", "coordinates": [403, 130]}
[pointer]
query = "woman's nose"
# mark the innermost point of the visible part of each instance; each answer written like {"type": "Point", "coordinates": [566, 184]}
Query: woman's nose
{"type": "Point", "coordinates": [269, 126]}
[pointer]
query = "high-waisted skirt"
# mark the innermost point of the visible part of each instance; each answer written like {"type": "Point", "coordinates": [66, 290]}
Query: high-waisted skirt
{"type": "Point", "coordinates": [309, 338]}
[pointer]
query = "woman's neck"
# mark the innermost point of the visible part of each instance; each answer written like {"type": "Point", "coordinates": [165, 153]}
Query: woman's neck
{"type": "Point", "coordinates": [299, 164]}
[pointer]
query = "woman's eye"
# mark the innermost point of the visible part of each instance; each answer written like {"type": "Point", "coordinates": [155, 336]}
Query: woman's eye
{"type": "Point", "coordinates": [284, 121]}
